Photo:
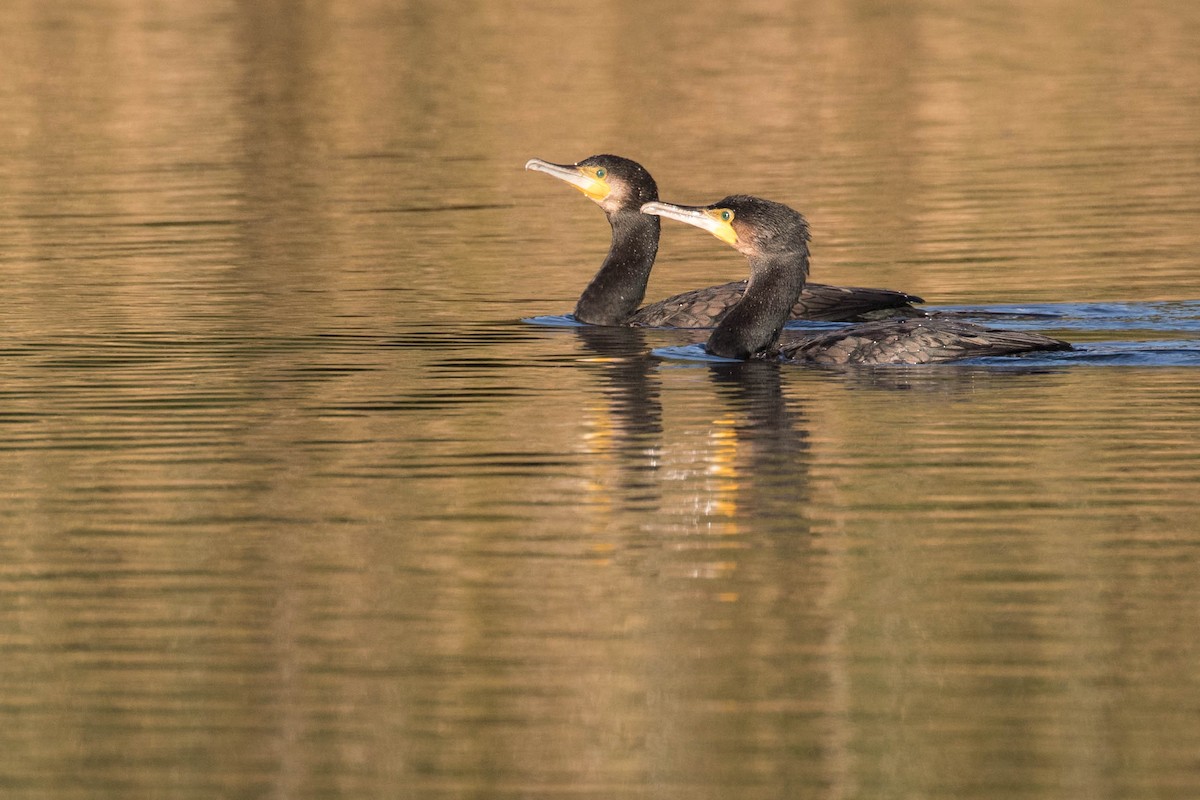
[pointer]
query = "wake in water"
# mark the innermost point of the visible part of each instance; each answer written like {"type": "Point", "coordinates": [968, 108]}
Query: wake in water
{"type": "Point", "coordinates": [1165, 334]}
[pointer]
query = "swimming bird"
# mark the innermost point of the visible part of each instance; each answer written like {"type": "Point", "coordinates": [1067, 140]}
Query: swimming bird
{"type": "Point", "coordinates": [620, 187]}
{"type": "Point", "coordinates": [774, 239]}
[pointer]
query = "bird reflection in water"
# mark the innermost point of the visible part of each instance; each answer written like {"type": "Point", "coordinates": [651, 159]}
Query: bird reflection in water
{"type": "Point", "coordinates": [752, 458]}
{"type": "Point", "coordinates": [765, 442]}
{"type": "Point", "coordinates": [625, 429]}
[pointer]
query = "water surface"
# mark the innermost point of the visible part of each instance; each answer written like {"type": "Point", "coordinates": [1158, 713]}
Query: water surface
{"type": "Point", "coordinates": [296, 504]}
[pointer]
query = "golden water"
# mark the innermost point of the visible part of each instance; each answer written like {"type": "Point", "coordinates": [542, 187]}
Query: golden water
{"type": "Point", "coordinates": [296, 506]}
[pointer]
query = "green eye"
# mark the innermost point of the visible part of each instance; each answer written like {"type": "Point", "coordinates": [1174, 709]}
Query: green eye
{"type": "Point", "coordinates": [600, 173]}
{"type": "Point", "coordinates": [726, 215]}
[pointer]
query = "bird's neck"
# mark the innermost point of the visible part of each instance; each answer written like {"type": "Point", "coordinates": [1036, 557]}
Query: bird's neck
{"type": "Point", "coordinates": [618, 288]}
{"type": "Point", "coordinates": [753, 325]}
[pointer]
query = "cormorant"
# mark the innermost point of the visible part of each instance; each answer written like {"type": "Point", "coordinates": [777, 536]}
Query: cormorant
{"type": "Point", "coordinates": [774, 239]}
{"type": "Point", "coordinates": [620, 187]}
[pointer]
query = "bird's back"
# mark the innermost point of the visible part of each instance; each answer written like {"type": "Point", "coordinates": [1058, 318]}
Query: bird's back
{"type": "Point", "coordinates": [704, 308]}
{"type": "Point", "coordinates": [913, 341]}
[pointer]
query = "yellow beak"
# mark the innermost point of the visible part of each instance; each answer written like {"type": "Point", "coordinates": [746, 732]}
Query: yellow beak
{"type": "Point", "coordinates": [580, 177]}
{"type": "Point", "coordinates": [703, 217]}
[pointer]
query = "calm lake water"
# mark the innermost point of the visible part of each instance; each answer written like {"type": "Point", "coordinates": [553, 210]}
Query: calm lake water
{"type": "Point", "coordinates": [297, 503]}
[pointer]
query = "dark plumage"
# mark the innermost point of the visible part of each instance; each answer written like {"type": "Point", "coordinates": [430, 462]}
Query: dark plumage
{"type": "Point", "coordinates": [704, 308]}
{"type": "Point", "coordinates": [774, 239]}
{"type": "Point", "coordinates": [913, 341]}
{"type": "Point", "coordinates": [613, 296]}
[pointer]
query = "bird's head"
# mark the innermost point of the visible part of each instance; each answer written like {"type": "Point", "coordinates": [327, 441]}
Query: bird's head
{"type": "Point", "coordinates": [756, 228]}
{"type": "Point", "coordinates": [612, 182]}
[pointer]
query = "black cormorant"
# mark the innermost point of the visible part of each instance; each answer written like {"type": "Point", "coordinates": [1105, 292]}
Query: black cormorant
{"type": "Point", "coordinates": [620, 187]}
{"type": "Point", "coordinates": [774, 239]}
